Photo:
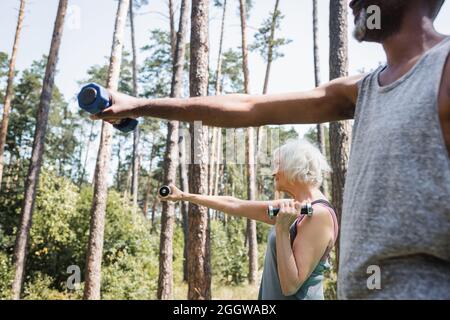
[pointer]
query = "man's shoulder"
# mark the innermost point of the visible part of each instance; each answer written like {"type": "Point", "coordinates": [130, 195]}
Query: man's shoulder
{"type": "Point", "coordinates": [446, 75]}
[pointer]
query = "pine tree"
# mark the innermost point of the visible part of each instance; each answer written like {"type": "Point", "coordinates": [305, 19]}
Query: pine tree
{"type": "Point", "coordinates": [20, 248]}
{"type": "Point", "coordinates": [9, 87]}
{"type": "Point", "coordinates": [341, 131]}
{"type": "Point", "coordinates": [199, 269]}
{"type": "Point", "coordinates": [97, 224]}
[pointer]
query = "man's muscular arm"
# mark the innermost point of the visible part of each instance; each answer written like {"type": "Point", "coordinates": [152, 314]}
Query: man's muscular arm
{"type": "Point", "coordinates": [444, 104]}
{"type": "Point", "coordinates": [330, 102]}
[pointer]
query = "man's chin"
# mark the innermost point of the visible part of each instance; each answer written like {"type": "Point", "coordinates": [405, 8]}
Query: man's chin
{"type": "Point", "coordinates": [365, 36]}
{"type": "Point", "coordinates": [359, 35]}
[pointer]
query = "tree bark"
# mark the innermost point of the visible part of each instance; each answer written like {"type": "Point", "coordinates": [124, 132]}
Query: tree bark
{"type": "Point", "coordinates": [88, 144]}
{"type": "Point", "coordinates": [320, 126]}
{"type": "Point", "coordinates": [270, 47]}
{"type": "Point", "coordinates": [20, 249]}
{"type": "Point", "coordinates": [9, 87]}
{"type": "Point", "coordinates": [184, 183]}
{"type": "Point", "coordinates": [250, 155]}
{"type": "Point", "coordinates": [119, 164]}
{"type": "Point", "coordinates": [216, 132]}
{"type": "Point", "coordinates": [165, 281]}
{"type": "Point", "coordinates": [135, 179]}
{"type": "Point", "coordinates": [155, 202]}
{"type": "Point", "coordinates": [97, 224]}
{"type": "Point", "coordinates": [341, 131]}
{"type": "Point", "coordinates": [199, 269]}
{"type": "Point", "coordinates": [173, 34]}
{"type": "Point", "coordinates": [149, 182]}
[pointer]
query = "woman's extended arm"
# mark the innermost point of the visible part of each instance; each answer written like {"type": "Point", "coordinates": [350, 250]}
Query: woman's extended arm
{"type": "Point", "coordinates": [256, 210]}
{"type": "Point", "coordinates": [314, 234]}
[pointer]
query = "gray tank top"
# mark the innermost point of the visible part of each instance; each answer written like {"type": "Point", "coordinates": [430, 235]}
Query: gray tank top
{"type": "Point", "coordinates": [396, 210]}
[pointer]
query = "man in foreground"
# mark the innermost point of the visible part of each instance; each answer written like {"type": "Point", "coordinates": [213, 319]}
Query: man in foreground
{"type": "Point", "coordinates": [396, 213]}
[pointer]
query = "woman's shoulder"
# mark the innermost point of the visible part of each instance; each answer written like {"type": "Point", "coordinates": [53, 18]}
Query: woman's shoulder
{"type": "Point", "coordinates": [322, 216]}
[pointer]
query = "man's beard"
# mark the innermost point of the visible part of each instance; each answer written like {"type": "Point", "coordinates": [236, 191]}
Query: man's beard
{"type": "Point", "coordinates": [391, 22]}
{"type": "Point", "coordinates": [360, 31]}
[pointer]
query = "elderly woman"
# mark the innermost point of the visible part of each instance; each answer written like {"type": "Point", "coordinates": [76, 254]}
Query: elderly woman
{"type": "Point", "coordinates": [298, 245]}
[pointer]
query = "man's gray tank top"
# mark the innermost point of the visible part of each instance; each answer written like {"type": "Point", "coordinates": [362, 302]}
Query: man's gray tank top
{"type": "Point", "coordinates": [396, 210]}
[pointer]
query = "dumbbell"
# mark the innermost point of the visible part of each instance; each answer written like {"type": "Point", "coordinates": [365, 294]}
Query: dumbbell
{"type": "Point", "coordinates": [164, 191]}
{"type": "Point", "coordinates": [306, 209]}
{"type": "Point", "coordinates": [94, 98]}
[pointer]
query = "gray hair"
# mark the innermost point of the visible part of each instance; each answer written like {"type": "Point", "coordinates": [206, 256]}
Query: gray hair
{"type": "Point", "coordinates": [301, 161]}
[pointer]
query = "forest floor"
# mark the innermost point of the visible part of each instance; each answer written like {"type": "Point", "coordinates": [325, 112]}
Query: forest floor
{"type": "Point", "coordinates": [224, 292]}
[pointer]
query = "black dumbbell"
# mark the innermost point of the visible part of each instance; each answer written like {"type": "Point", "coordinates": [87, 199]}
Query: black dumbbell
{"type": "Point", "coordinates": [306, 209]}
{"type": "Point", "coordinates": [164, 191]}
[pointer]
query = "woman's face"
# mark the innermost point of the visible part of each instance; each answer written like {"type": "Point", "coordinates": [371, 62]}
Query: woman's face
{"type": "Point", "coordinates": [279, 180]}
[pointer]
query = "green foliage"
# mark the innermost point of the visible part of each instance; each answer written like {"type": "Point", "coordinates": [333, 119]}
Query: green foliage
{"type": "Point", "coordinates": [4, 64]}
{"type": "Point", "coordinates": [137, 4]}
{"type": "Point", "coordinates": [4, 67]}
{"type": "Point", "coordinates": [99, 74]}
{"type": "Point", "coordinates": [229, 255]}
{"type": "Point", "coordinates": [5, 275]}
{"type": "Point", "coordinates": [232, 77]}
{"type": "Point", "coordinates": [61, 141]}
{"type": "Point", "coordinates": [263, 41]}
{"type": "Point", "coordinates": [52, 234]}
{"type": "Point", "coordinates": [129, 254]}
{"type": "Point", "coordinates": [330, 279]}
{"type": "Point", "coordinates": [248, 8]}
{"type": "Point", "coordinates": [58, 239]}
{"type": "Point", "coordinates": [40, 288]}
{"type": "Point", "coordinates": [156, 72]}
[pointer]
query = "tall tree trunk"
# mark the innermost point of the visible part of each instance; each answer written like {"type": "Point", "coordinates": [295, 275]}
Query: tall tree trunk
{"type": "Point", "coordinates": [165, 281]}
{"type": "Point", "coordinates": [20, 249]}
{"type": "Point", "coordinates": [184, 183]}
{"type": "Point", "coordinates": [135, 179]}
{"type": "Point", "coordinates": [97, 225]}
{"type": "Point", "coordinates": [219, 164]}
{"type": "Point", "coordinates": [260, 132]}
{"type": "Point", "coordinates": [155, 202]}
{"type": "Point", "coordinates": [149, 182]}
{"type": "Point", "coordinates": [128, 180]}
{"type": "Point", "coordinates": [88, 144]}
{"type": "Point", "coordinates": [215, 144]}
{"type": "Point", "coordinates": [199, 268]}
{"type": "Point", "coordinates": [250, 155]}
{"type": "Point", "coordinates": [320, 126]}
{"type": "Point", "coordinates": [119, 165]}
{"type": "Point", "coordinates": [341, 131]}
{"type": "Point", "coordinates": [9, 87]}
{"type": "Point", "coordinates": [173, 34]}
{"type": "Point", "coordinates": [270, 47]}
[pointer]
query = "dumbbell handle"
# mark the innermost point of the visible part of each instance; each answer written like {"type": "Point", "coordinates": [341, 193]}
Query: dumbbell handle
{"type": "Point", "coordinates": [306, 209]}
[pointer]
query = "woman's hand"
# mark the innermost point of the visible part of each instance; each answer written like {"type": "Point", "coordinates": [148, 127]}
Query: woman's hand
{"type": "Point", "coordinates": [289, 212]}
{"type": "Point", "coordinates": [175, 194]}
{"type": "Point", "coordinates": [123, 106]}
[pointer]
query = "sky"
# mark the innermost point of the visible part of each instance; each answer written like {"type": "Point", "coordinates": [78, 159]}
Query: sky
{"type": "Point", "coordinates": [89, 25]}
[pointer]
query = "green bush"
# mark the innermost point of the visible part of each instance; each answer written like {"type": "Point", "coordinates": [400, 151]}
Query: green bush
{"type": "Point", "coordinates": [58, 239]}
{"type": "Point", "coordinates": [59, 236]}
{"type": "Point", "coordinates": [229, 254]}
{"type": "Point", "coordinates": [5, 276]}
